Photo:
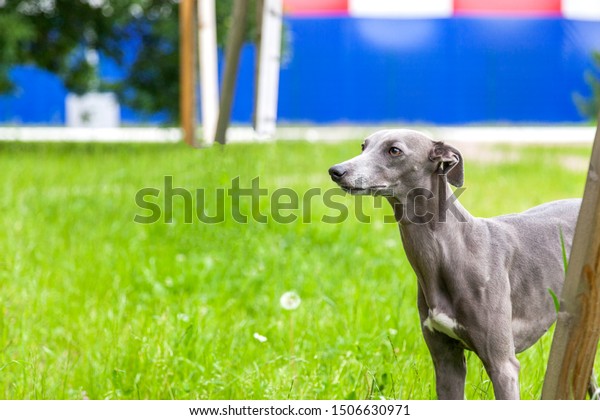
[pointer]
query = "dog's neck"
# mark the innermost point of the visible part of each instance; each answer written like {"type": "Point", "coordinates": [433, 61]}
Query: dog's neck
{"type": "Point", "coordinates": [430, 207]}
{"type": "Point", "coordinates": [430, 229]}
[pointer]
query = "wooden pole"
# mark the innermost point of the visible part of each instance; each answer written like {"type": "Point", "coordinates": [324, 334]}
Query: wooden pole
{"type": "Point", "coordinates": [578, 327]}
{"type": "Point", "coordinates": [235, 39]}
{"type": "Point", "coordinates": [209, 80]}
{"type": "Point", "coordinates": [268, 76]}
{"type": "Point", "coordinates": [187, 70]}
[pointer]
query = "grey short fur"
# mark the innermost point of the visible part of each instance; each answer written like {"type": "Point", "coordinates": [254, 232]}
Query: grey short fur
{"type": "Point", "coordinates": [482, 283]}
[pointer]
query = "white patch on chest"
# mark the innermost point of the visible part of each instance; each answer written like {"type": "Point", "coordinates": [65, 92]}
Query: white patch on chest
{"type": "Point", "coordinates": [440, 322]}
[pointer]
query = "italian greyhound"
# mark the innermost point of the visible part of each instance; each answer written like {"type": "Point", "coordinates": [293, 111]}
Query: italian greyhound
{"type": "Point", "coordinates": [483, 284]}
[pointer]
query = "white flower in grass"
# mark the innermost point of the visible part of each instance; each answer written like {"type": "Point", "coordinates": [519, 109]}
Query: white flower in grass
{"type": "Point", "coordinates": [183, 317]}
{"type": "Point", "coordinates": [290, 301]}
{"type": "Point", "coordinates": [259, 337]}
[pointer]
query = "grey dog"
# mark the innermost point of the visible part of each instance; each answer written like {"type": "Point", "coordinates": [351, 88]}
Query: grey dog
{"type": "Point", "coordinates": [482, 283]}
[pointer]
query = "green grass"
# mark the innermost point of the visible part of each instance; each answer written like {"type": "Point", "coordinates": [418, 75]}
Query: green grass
{"type": "Point", "coordinates": [93, 304]}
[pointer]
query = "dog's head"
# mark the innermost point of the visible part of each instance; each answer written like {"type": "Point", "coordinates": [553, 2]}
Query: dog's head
{"type": "Point", "coordinates": [393, 162]}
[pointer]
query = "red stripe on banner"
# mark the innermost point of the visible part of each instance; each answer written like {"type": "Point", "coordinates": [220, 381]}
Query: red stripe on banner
{"type": "Point", "coordinates": [315, 7]}
{"type": "Point", "coordinates": [526, 7]}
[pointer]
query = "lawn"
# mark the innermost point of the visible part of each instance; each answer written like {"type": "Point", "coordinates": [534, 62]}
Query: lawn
{"type": "Point", "coordinates": [94, 305]}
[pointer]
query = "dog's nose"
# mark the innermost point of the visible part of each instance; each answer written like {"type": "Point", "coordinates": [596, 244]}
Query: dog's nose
{"type": "Point", "coordinates": [336, 172]}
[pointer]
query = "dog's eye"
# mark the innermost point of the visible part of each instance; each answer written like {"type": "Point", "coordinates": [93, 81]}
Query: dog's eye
{"type": "Point", "coordinates": [362, 147]}
{"type": "Point", "coordinates": [394, 151]}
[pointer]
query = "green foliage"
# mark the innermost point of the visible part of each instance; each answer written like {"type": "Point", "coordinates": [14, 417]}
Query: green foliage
{"type": "Point", "coordinates": [55, 35]}
{"type": "Point", "coordinates": [14, 28]}
{"type": "Point", "coordinates": [65, 36]}
{"type": "Point", "coordinates": [555, 300]}
{"type": "Point", "coordinates": [95, 305]}
{"type": "Point", "coordinates": [590, 106]}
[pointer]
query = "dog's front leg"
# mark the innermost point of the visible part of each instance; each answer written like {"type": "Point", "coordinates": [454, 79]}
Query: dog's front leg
{"type": "Point", "coordinates": [448, 359]}
{"type": "Point", "coordinates": [504, 374]}
{"type": "Point", "coordinates": [449, 364]}
{"type": "Point", "coordinates": [492, 338]}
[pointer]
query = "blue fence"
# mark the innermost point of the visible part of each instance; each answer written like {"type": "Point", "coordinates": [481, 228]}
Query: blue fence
{"type": "Point", "coordinates": [442, 71]}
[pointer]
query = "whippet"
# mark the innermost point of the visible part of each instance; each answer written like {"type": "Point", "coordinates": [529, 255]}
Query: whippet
{"type": "Point", "coordinates": [482, 283]}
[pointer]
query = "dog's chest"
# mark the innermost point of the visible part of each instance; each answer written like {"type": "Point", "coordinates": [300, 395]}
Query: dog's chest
{"type": "Point", "coordinates": [442, 323]}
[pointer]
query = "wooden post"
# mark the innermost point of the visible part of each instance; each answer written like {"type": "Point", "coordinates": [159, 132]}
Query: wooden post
{"type": "Point", "coordinates": [268, 76]}
{"type": "Point", "coordinates": [578, 327]}
{"type": "Point", "coordinates": [187, 70]}
{"type": "Point", "coordinates": [235, 39]}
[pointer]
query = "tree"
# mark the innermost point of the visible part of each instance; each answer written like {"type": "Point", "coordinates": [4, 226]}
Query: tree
{"type": "Point", "coordinates": [575, 341]}
{"type": "Point", "coordinates": [66, 37]}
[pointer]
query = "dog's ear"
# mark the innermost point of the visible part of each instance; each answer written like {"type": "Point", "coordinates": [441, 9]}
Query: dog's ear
{"type": "Point", "coordinates": [450, 162]}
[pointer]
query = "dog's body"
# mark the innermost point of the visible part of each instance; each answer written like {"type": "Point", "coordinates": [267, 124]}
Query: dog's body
{"type": "Point", "coordinates": [483, 283]}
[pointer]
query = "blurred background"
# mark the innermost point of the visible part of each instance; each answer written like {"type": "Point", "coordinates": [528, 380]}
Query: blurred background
{"type": "Point", "coordinates": [451, 62]}
{"type": "Point", "coordinates": [94, 305]}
